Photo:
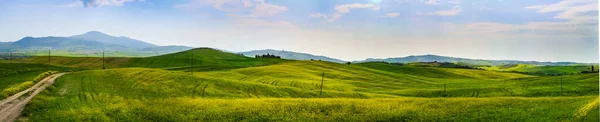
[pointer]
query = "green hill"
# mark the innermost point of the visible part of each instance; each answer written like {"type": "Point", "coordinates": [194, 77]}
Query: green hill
{"type": "Point", "coordinates": [369, 91]}
{"type": "Point", "coordinates": [541, 70]}
{"type": "Point", "coordinates": [204, 59]}
{"type": "Point", "coordinates": [232, 87]}
{"type": "Point", "coordinates": [291, 55]}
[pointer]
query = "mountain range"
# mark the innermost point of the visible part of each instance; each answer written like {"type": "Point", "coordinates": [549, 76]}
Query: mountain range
{"type": "Point", "coordinates": [95, 42]}
{"type": "Point", "coordinates": [90, 42]}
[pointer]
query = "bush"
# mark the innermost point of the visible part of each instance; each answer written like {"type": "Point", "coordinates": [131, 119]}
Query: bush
{"type": "Point", "coordinates": [44, 75]}
{"type": "Point", "coordinates": [16, 89]}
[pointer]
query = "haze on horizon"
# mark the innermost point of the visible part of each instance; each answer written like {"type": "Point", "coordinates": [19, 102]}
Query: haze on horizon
{"type": "Point", "coordinates": [540, 30]}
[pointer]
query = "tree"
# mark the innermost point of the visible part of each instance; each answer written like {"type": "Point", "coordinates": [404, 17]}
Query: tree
{"type": "Point", "coordinates": [348, 63]}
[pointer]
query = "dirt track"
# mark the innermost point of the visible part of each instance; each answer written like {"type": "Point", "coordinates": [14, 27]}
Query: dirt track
{"type": "Point", "coordinates": [11, 107]}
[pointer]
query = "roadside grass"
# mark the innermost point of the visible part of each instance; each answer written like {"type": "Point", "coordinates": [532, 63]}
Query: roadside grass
{"type": "Point", "coordinates": [14, 89]}
{"type": "Point", "coordinates": [13, 74]}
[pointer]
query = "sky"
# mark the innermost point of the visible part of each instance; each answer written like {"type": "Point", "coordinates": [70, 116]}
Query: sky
{"type": "Point", "coordinates": [530, 30]}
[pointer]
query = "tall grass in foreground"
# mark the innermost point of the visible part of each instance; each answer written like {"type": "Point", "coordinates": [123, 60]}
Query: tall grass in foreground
{"type": "Point", "coordinates": [14, 89]}
{"type": "Point", "coordinates": [104, 107]}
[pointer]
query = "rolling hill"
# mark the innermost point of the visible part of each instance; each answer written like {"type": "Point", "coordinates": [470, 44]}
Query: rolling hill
{"type": "Point", "coordinates": [291, 55]}
{"type": "Point", "coordinates": [233, 87]}
{"type": "Point", "coordinates": [203, 59]}
{"type": "Point", "coordinates": [290, 91]}
{"type": "Point", "coordinates": [479, 62]}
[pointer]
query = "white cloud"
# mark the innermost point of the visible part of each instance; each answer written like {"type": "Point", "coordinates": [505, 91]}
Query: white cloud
{"type": "Point", "coordinates": [246, 13]}
{"type": "Point", "coordinates": [265, 9]}
{"type": "Point", "coordinates": [578, 24]}
{"type": "Point", "coordinates": [342, 9]}
{"type": "Point", "coordinates": [98, 3]}
{"type": "Point", "coordinates": [317, 15]}
{"type": "Point", "coordinates": [247, 3]}
{"type": "Point", "coordinates": [392, 14]}
{"type": "Point", "coordinates": [255, 7]}
{"type": "Point", "coordinates": [454, 2]}
{"type": "Point", "coordinates": [431, 2]}
{"type": "Point", "coordinates": [571, 10]}
{"type": "Point", "coordinates": [346, 8]}
{"type": "Point", "coordinates": [455, 11]}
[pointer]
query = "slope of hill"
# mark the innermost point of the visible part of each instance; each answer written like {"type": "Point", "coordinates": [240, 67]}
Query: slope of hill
{"type": "Point", "coordinates": [104, 38]}
{"type": "Point", "coordinates": [291, 55]}
{"type": "Point", "coordinates": [204, 59]}
{"type": "Point", "coordinates": [542, 70]}
{"type": "Point", "coordinates": [141, 94]}
{"type": "Point", "coordinates": [432, 58]}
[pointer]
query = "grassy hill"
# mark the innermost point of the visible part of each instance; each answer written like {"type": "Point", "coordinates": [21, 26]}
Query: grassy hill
{"type": "Point", "coordinates": [291, 55]}
{"type": "Point", "coordinates": [204, 59]}
{"type": "Point", "coordinates": [541, 70]}
{"type": "Point", "coordinates": [232, 87]}
{"type": "Point", "coordinates": [476, 62]}
{"type": "Point", "coordinates": [369, 91]}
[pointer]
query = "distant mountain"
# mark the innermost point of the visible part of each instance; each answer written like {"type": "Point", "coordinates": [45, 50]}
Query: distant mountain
{"type": "Point", "coordinates": [108, 39]}
{"type": "Point", "coordinates": [290, 55]}
{"type": "Point", "coordinates": [88, 43]}
{"type": "Point", "coordinates": [63, 43]}
{"type": "Point", "coordinates": [432, 58]}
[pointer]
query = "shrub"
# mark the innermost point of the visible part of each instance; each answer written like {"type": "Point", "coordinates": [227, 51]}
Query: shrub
{"type": "Point", "coordinates": [44, 75]}
{"type": "Point", "coordinates": [14, 89]}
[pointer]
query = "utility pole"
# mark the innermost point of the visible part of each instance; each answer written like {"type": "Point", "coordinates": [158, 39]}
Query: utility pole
{"type": "Point", "coordinates": [322, 79]}
{"type": "Point", "coordinates": [103, 60]}
{"type": "Point", "coordinates": [561, 89]}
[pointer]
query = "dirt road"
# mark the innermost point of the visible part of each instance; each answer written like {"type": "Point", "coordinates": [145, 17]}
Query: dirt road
{"type": "Point", "coordinates": [11, 107]}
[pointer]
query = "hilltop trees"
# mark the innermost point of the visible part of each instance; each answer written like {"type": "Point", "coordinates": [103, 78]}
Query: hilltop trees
{"type": "Point", "coordinates": [266, 56]}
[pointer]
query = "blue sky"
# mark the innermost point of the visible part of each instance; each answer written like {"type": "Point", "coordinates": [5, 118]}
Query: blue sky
{"type": "Point", "coordinates": [541, 30]}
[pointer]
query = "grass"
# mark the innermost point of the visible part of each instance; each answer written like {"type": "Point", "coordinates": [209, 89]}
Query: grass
{"type": "Point", "coordinates": [87, 106]}
{"type": "Point", "coordinates": [540, 70]}
{"type": "Point", "coordinates": [14, 89]}
{"type": "Point", "coordinates": [231, 87]}
{"type": "Point", "coordinates": [90, 53]}
{"type": "Point", "coordinates": [288, 91]}
{"type": "Point", "coordinates": [13, 74]}
{"type": "Point", "coordinates": [205, 59]}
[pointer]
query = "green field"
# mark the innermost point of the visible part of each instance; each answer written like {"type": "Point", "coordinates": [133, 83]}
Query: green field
{"type": "Point", "coordinates": [541, 70]}
{"type": "Point", "coordinates": [204, 59]}
{"type": "Point", "coordinates": [13, 74]}
{"type": "Point", "coordinates": [231, 87]}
